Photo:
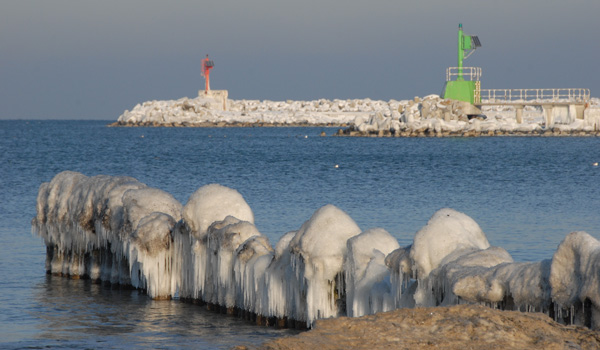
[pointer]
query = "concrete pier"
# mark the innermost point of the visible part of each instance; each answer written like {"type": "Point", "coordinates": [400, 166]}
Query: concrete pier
{"type": "Point", "coordinates": [519, 113]}
{"type": "Point", "coordinates": [548, 115]}
{"type": "Point", "coordinates": [559, 105]}
{"type": "Point", "coordinates": [553, 111]}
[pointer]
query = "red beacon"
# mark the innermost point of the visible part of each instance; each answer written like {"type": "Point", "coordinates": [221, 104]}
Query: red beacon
{"type": "Point", "coordinates": [207, 65]}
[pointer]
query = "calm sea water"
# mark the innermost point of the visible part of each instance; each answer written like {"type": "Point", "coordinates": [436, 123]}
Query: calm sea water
{"type": "Point", "coordinates": [527, 194]}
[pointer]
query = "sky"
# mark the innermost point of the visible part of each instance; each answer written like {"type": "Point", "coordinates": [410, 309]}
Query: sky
{"type": "Point", "coordinates": [81, 59]}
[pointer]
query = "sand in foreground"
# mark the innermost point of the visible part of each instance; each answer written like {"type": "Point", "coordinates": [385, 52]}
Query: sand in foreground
{"type": "Point", "coordinates": [457, 327]}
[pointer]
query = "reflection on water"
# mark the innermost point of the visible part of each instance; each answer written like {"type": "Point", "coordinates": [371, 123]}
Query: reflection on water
{"type": "Point", "coordinates": [74, 313]}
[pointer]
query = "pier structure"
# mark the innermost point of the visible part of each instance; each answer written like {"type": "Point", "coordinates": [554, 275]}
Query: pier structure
{"type": "Point", "coordinates": [464, 84]}
{"type": "Point", "coordinates": [569, 103]}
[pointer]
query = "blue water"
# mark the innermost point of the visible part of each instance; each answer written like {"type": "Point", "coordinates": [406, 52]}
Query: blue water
{"type": "Point", "coordinates": [526, 193]}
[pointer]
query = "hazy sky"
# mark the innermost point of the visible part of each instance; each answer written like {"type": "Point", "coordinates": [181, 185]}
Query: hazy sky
{"type": "Point", "coordinates": [94, 59]}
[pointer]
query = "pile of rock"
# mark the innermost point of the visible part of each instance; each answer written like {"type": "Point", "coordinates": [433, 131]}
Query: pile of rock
{"type": "Point", "coordinates": [437, 117]}
{"type": "Point", "coordinates": [427, 116]}
{"type": "Point", "coordinates": [205, 111]}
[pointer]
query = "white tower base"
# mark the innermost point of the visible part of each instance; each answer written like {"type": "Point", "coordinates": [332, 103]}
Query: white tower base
{"type": "Point", "coordinates": [220, 97]}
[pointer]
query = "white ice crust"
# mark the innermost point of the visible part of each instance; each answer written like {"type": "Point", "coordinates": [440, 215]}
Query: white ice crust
{"type": "Point", "coordinates": [365, 115]}
{"type": "Point", "coordinates": [447, 233]}
{"type": "Point", "coordinates": [118, 230]}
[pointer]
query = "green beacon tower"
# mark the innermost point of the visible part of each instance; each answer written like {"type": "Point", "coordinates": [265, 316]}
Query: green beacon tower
{"type": "Point", "coordinates": [462, 83]}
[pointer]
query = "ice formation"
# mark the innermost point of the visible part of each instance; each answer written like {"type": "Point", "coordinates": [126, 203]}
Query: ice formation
{"type": "Point", "coordinates": [316, 256]}
{"type": "Point", "coordinates": [196, 111]}
{"type": "Point", "coordinates": [430, 115]}
{"type": "Point", "coordinates": [120, 231]}
{"type": "Point", "coordinates": [364, 267]}
{"type": "Point", "coordinates": [434, 116]}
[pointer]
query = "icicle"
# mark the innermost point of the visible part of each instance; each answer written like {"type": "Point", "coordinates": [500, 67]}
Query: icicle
{"type": "Point", "coordinates": [117, 230]}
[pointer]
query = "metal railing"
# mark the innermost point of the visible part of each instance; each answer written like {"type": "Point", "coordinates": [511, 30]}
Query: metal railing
{"type": "Point", "coordinates": [529, 95]}
{"type": "Point", "coordinates": [468, 73]}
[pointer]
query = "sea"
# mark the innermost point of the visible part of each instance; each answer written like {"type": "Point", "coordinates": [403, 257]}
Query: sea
{"type": "Point", "coordinates": [526, 193]}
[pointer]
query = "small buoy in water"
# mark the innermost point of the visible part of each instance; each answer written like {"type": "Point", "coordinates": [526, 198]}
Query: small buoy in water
{"type": "Point", "coordinates": [595, 164]}
{"type": "Point", "coordinates": [142, 136]}
{"type": "Point", "coordinates": [336, 166]}
{"type": "Point", "coordinates": [305, 136]}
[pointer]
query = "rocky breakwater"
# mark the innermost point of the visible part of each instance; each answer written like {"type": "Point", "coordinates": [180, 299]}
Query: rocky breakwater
{"type": "Point", "coordinates": [436, 117]}
{"type": "Point", "coordinates": [204, 111]}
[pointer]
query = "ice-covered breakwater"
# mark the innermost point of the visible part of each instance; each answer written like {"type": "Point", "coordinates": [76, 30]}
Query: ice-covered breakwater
{"type": "Point", "coordinates": [201, 111]}
{"type": "Point", "coordinates": [427, 116]}
{"type": "Point", "coordinates": [118, 230]}
{"type": "Point", "coordinates": [433, 116]}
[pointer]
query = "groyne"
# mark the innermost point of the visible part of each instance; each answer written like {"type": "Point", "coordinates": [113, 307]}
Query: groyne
{"type": "Point", "coordinates": [430, 116]}
{"type": "Point", "coordinates": [436, 117]}
{"type": "Point", "coordinates": [118, 230]}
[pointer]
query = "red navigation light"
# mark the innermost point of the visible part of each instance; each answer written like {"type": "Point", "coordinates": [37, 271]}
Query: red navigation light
{"type": "Point", "coordinates": [207, 65]}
